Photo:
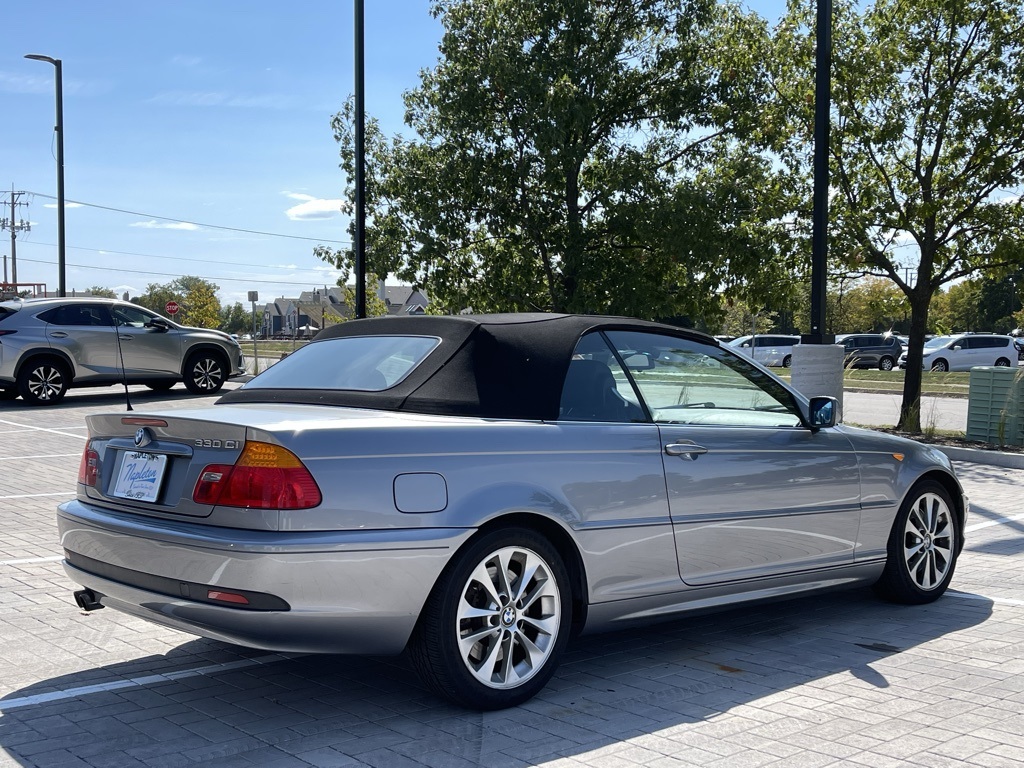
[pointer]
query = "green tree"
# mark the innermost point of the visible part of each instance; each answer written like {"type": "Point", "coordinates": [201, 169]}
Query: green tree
{"type": "Point", "coordinates": [927, 143]}
{"type": "Point", "coordinates": [375, 306]}
{"type": "Point", "coordinates": [235, 319]}
{"type": "Point", "coordinates": [156, 296]}
{"type": "Point", "coordinates": [100, 291]}
{"type": "Point", "coordinates": [582, 155]}
{"type": "Point", "coordinates": [196, 297]}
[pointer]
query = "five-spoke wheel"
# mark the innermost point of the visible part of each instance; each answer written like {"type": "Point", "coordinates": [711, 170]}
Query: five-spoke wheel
{"type": "Point", "coordinates": [886, 364]}
{"type": "Point", "coordinates": [495, 625]}
{"type": "Point", "coordinates": [205, 373]}
{"type": "Point", "coordinates": [43, 381]}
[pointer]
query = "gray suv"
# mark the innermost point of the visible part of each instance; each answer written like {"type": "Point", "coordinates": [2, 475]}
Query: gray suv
{"type": "Point", "coordinates": [871, 350]}
{"type": "Point", "coordinates": [50, 345]}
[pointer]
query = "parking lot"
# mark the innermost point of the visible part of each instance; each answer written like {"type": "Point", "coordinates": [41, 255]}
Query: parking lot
{"type": "Point", "coordinates": [841, 679]}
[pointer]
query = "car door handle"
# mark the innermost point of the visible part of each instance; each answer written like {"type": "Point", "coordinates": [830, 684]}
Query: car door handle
{"type": "Point", "coordinates": [58, 334]}
{"type": "Point", "coordinates": [688, 451]}
{"type": "Point", "coordinates": [125, 338]}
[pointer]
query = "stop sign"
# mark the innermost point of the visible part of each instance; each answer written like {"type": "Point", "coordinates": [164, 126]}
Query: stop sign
{"type": "Point", "coordinates": [172, 307]}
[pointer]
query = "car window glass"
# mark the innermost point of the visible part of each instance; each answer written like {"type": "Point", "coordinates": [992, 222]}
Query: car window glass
{"type": "Point", "coordinates": [133, 316]}
{"type": "Point", "coordinates": [687, 382]}
{"type": "Point", "coordinates": [77, 314]}
{"type": "Point", "coordinates": [596, 387]}
{"type": "Point", "coordinates": [367, 363]}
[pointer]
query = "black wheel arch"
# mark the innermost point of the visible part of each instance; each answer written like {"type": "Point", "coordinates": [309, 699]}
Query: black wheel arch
{"type": "Point", "coordinates": [205, 347]}
{"type": "Point", "coordinates": [36, 354]}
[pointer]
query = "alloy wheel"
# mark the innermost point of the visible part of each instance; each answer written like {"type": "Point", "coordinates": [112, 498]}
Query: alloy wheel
{"type": "Point", "coordinates": [508, 617]}
{"type": "Point", "coordinates": [46, 383]}
{"type": "Point", "coordinates": [207, 374]}
{"type": "Point", "coordinates": [928, 541]}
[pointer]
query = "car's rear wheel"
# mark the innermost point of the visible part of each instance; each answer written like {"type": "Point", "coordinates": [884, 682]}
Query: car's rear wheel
{"type": "Point", "coordinates": [43, 381]}
{"type": "Point", "coordinates": [787, 361]}
{"type": "Point", "coordinates": [923, 547]}
{"type": "Point", "coordinates": [205, 372]}
{"type": "Point", "coordinates": [1002, 362]}
{"type": "Point", "coordinates": [940, 366]}
{"type": "Point", "coordinates": [886, 364]}
{"type": "Point", "coordinates": [494, 627]}
{"type": "Point", "coordinates": [160, 386]}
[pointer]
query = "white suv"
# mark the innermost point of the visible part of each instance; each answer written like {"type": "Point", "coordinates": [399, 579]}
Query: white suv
{"type": "Point", "coordinates": [768, 349]}
{"type": "Point", "coordinates": [964, 351]}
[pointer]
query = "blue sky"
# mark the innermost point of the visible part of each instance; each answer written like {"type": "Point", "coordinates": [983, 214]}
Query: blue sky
{"type": "Point", "coordinates": [216, 113]}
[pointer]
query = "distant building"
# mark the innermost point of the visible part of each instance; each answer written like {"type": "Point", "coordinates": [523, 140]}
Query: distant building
{"type": "Point", "coordinates": [320, 308]}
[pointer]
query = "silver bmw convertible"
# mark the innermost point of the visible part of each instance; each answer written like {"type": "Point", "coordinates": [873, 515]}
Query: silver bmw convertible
{"type": "Point", "coordinates": [478, 489]}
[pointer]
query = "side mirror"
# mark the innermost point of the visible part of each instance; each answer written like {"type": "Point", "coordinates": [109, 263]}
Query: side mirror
{"type": "Point", "coordinates": [822, 412]}
{"type": "Point", "coordinates": [159, 323]}
{"type": "Point", "coordinates": [745, 344]}
{"type": "Point", "coordinates": [957, 348]}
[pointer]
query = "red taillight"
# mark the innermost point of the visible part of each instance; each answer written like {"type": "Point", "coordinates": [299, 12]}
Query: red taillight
{"type": "Point", "coordinates": [227, 597]}
{"type": "Point", "coordinates": [266, 476]}
{"type": "Point", "coordinates": [89, 468]}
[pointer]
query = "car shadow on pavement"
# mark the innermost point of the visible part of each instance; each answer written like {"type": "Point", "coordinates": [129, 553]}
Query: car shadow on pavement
{"type": "Point", "coordinates": [113, 399]}
{"type": "Point", "coordinates": [671, 682]}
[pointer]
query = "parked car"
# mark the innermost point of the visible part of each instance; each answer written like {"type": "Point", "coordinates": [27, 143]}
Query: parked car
{"type": "Point", "coordinates": [870, 350]}
{"type": "Point", "coordinates": [770, 349]}
{"type": "Point", "coordinates": [964, 351]}
{"type": "Point", "coordinates": [48, 346]}
{"type": "Point", "coordinates": [480, 488]}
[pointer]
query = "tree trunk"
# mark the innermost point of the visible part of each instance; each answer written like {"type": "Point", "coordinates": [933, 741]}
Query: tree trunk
{"type": "Point", "coordinates": [910, 410]}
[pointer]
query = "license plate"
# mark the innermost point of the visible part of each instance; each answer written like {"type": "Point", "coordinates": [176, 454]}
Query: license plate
{"type": "Point", "coordinates": [140, 476]}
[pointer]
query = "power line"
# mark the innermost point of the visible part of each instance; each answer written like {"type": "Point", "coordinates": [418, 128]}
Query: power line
{"type": "Point", "coordinates": [170, 274]}
{"type": "Point", "coordinates": [154, 256]}
{"type": "Point", "coordinates": [195, 223]}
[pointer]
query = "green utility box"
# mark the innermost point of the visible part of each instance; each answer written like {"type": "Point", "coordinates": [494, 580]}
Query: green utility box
{"type": "Point", "coordinates": [995, 406]}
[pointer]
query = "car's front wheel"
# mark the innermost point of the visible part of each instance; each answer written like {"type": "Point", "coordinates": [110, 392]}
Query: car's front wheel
{"type": "Point", "coordinates": [205, 373]}
{"type": "Point", "coordinates": [43, 381]}
{"type": "Point", "coordinates": [787, 361]}
{"type": "Point", "coordinates": [493, 629]}
{"type": "Point", "coordinates": [923, 547]}
{"type": "Point", "coordinates": [886, 364]}
{"type": "Point", "coordinates": [940, 366]}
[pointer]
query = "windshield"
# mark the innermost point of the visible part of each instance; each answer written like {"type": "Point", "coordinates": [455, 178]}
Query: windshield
{"type": "Point", "coordinates": [738, 342]}
{"type": "Point", "coordinates": [938, 341]}
{"type": "Point", "coordinates": [367, 363]}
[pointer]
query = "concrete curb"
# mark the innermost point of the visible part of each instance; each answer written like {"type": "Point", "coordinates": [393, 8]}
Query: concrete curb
{"type": "Point", "coordinates": [977, 456]}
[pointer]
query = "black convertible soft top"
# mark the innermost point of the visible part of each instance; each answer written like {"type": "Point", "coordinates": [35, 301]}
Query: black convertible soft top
{"type": "Point", "coordinates": [509, 366]}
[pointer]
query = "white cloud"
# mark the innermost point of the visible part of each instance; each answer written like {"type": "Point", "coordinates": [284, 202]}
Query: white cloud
{"type": "Point", "coordinates": [312, 208]}
{"type": "Point", "coordinates": [217, 99]}
{"type": "Point", "coordinates": [188, 62]}
{"type": "Point", "coordinates": [66, 205]}
{"type": "Point", "coordinates": [11, 83]}
{"type": "Point", "coordinates": [154, 224]}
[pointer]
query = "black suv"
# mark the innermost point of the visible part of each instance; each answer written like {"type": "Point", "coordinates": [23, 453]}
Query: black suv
{"type": "Point", "coordinates": [871, 350]}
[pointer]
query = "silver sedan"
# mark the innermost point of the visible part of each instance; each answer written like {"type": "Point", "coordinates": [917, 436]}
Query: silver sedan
{"type": "Point", "coordinates": [477, 489]}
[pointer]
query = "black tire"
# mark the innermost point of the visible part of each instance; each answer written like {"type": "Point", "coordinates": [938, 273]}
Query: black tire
{"type": "Point", "coordinates": [940, 366]}
{"type": "Point", "coordinates": [923, 547]}
{"type": "Point", "coordinates": [205, 372]}
{"type": "Point", "coordinates": [787, 361]}
{"type": "Point", "coordinates": [160, 386]}
{"type": "Point", "coordinates": [43, 381]}
{"type": "Point", "coordinates": [472, 675]}
{"type": "Point", "coordinates": [1002, 362]}
{"type": "Point", "coordinates": [886, 364]}
{"type": "Point", "coordinates": [8, 394]}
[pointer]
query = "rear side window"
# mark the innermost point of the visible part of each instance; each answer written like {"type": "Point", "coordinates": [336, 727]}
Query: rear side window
{"type": "Point", "coordinates": [365, 363]}
{"type": "Point", "coordinates": [6, 312]}
{"type": "Point", "coordinates": [76, 314]}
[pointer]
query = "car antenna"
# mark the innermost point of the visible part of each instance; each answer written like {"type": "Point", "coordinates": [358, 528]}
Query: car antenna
{"type": "Point", "coordinates": [120, 359]}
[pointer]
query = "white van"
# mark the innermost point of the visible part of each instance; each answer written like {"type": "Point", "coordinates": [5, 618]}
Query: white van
{"type": "Point", "coordinates": [767, 349]}
{"type": "Point", "coordinates": [964, 351]}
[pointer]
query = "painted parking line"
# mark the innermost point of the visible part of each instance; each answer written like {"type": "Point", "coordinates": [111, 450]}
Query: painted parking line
{"type": "Point", "coordinates": [985, 598]}
{"type": "Point", "coordinates": [988, 523]}
{"type": "Point", "coordinates": [37, 495]}
{"type": "Point", "coordinates": [136, 682]}
{"type": "Point", "coordinates": [40, 456]}
{"type": "Point", "coordinates": [29, 427]}
{"type": "Point", "coordinates": [31, 560]}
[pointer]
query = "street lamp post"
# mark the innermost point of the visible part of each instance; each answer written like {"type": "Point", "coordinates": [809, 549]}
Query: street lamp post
{"type": "Point", "coordinates": [61, 282]}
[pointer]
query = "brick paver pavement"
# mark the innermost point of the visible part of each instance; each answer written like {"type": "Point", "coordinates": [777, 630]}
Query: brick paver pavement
{"type": "Point", "coordinates": [834, 680]}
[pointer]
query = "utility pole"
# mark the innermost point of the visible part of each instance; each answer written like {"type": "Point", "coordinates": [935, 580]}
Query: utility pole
{"type": "Point", "coordinates": [15, 226]}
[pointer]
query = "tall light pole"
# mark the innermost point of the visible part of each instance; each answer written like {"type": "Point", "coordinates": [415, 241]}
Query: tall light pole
{"type": "Point", "coordinates": [61, 282]}
{"type": "Point", "coordinates": [360, 149]}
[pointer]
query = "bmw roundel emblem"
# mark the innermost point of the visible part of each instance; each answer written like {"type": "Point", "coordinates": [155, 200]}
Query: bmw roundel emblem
{"type": "Point", "coordinates": [142, 437]}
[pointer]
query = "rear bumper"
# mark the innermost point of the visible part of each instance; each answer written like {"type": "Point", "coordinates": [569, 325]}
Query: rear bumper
{"type": "Point", "coordinates": [347, 591]}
